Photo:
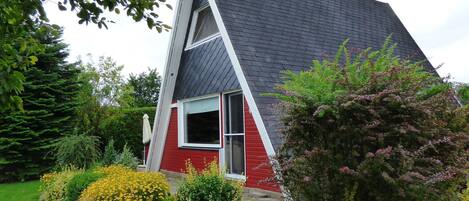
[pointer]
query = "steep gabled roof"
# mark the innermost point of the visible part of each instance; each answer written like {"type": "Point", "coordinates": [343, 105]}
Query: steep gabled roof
{"type": "Point", "coordinates": [270, 36]}
{"type": "Point", "coordinates": [265, 37]}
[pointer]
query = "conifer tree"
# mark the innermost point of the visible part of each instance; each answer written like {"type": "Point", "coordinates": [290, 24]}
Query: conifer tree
{"type": "Point", "coordinates": [49, 100]}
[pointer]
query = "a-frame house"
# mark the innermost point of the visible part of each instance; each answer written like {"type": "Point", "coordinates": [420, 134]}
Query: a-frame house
{"type": "Point", "coordinates": [225, 54]}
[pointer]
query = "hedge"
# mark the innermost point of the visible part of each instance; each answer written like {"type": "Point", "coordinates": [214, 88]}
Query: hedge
{"type": "Point", "coordinates": [125, 127]}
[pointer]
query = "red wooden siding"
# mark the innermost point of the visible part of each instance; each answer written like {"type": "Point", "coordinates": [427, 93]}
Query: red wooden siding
{"type": "Point", "coordinates": [174, 158]}
{"type": "Point", "coordinates": [258, 169]}
{"type": "Point", "coordinates": [257, 161]}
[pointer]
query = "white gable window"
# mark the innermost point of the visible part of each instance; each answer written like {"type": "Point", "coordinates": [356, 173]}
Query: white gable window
{"type": "Point", "coordinates": [203, 27]}
{"type": "Point", "coordinates": [199, 122]}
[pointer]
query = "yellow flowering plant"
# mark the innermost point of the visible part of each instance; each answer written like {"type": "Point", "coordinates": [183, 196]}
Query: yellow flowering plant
{"type": "Point", "coordinates": [114, 170]}
{"type": "Point", "coordinates": [125, 184]}
{"type": "Point", "coordinates": [53, 185]}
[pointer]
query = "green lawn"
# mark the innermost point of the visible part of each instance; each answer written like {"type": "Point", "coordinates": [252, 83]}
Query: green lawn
{"type": "Point", "coordinates": [25, 191]}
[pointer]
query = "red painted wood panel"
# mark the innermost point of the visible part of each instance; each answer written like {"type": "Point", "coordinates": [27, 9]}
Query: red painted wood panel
{"type": "Point", "coordinates": [174, 158]}
{"type": "Point", "coordinates": [259, 173]}
{"type": "Point", "coordinates": [258, 170]}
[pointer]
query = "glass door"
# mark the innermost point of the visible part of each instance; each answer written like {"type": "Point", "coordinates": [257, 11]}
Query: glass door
{"type": "Point", "coordinates": [234, 134]}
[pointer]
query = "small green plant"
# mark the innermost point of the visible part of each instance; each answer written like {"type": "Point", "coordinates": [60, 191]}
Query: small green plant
{"type": "Point", "coordinates": [80, 182]}
{"type": "Point", "coordinates": [54, 185]}
{"type": "Point", "coordinates": [80, 151]}
{"type": "Point", "coordinates": [110, 153]}
{"type": "Point", "coordinates": [127, 158]}
{"type": "Point", "coordinates": [210, 184]}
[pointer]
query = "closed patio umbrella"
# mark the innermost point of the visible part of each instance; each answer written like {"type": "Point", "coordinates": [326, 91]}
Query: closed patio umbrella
{"type": "Point", "coordinates": [146, 136]}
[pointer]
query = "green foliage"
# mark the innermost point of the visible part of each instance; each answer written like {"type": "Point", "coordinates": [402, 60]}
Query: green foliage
{"type": "Point", "coordinates": [127, 158]}
{"type": "Point", "coordinates": [18, 48]}
{"type": "Point", "coordinates": [19, 19]}
{"type": "Point", "coordinates": [465, 194]}
{"type": "Point", "coordinates": [79, 183]}
{"type": "Point", "coordinates": [210, 184]}
{"type": "Point", "coordinates": [102, 90]}
{"type": "Point", "coordinates": [49, 96]}
{"type": "Point", "coordinates": [54, 185]}
{"type": "Point", "coordinates": [146, 88]}
{"type": "Point", "coordinates": [124, 126]}
{"type": "Point", "coordinates": [462, 90]}
{"type": "Point", "coordinates": [371, 127]}
{"type": "Point", "coordinates": [80, 151]}
{"type": "Point", "coordinates": [110, 153]}
{"type": "Point", "coordinates": [91, 12]}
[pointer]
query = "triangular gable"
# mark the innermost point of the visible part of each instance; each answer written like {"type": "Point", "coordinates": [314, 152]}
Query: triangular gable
{"type": "Point", "coordinates": [176, 60]}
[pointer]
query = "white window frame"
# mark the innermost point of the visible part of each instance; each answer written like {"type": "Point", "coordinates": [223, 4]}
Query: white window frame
{"type": "Point", "coordinates": [182, 124]}
{"type": "Point", "coordinates": [190, 40]}
{"type": "Point", "coordinates": [238, 177]}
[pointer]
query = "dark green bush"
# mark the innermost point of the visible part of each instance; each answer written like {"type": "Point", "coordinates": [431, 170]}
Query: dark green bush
{"type": "Point", "coordinates": [210, 184]}
{"type": "Point", "coordinates": [79, 183]}
{"type": "Point", "coordinates": [127, 158]}
{"type": "Point", "coordinates": [110, 154]}
{"type": "Point", "coordinates": [124, 126]}
{"type": "Point", "coordinates": [80, 151]}
{"type": "Point", "coordinates": [372, 127]}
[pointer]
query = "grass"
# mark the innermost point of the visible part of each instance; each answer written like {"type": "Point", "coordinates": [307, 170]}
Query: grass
{"type": "Point", "coordinates": [24, 191]}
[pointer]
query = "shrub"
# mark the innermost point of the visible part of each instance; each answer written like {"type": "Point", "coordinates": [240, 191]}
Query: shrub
{"type": "Point", "coordinates": [465, 194]}
{"type": "Point", "coordinates": [128, 185]}
{"type": "Point", "coordinates": [110, 153]}
{"type": "Point", "coordinates": [370, 127]}
{"type": "Point", "coordinates": [80, 182]}
{"type": "Point", "coordinates": [210, 184]}
{"type": "Point", "coordinates": [127, 158]}
{"type": "Point", "coordinates": [80, 151]}
{"type": "Point", "coordinates": [124, 126]}
{"type": "Point", "coordinates": [54, 185]}
{"type": "Point", "coordinates": [114, 170]}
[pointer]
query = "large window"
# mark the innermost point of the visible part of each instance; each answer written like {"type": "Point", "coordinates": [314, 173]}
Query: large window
{"type": "Point", "coordinates": [203, 27]}
{"type": "Point", "coordinates": [234, 134]}
{"type": "Point", "coordinates": [200, 122]}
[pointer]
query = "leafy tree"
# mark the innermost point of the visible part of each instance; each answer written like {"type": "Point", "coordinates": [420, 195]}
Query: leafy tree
{"type": "Point", "coordinates": [19, 49]}
{"type": "Point", "coordinates": [50, 93]}
{"type": "Point", "coordinates": [146, 88]}
{"type": "Point", "coordinates": [18, 21]}
{"type": "Point", "coordinates": [104, 82]}
{"type": "Point", "coordinates": [371, 127]}
{"type": "Point", "coordinates": [102, 90]}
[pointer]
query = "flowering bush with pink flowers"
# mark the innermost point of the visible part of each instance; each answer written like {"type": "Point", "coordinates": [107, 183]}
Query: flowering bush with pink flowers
{"type": "Point", "coordinates": [371, 127]}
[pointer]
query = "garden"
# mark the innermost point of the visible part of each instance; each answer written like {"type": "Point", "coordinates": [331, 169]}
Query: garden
{"type": "Point", "coordinates": [365, 125]}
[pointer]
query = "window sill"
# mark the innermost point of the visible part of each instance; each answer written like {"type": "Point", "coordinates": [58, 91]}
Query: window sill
{"type": "Point", "coordinates": [236, 177]}
{"type": "Point", "coordinates": [200, 147]}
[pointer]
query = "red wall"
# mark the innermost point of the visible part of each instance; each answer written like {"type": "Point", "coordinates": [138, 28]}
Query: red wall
{"type": "Point", "coordinates": [174, 158]}
{"type": "Point", "coordinates": [258, 169]}
{"type": "Point", "coordinates": [257, 162]}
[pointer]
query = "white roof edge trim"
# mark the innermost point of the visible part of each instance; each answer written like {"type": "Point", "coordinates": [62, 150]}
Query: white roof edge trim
{"type": "Point", "coordinates": [242, 80]}
{"type": "Point", "coordinates": [247, 93]}
{"type": "Point", "coordinates": [163, 110]}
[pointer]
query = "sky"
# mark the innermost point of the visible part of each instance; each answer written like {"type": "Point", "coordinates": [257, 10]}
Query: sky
{"type": "Point", "coordinates": [440, 28]}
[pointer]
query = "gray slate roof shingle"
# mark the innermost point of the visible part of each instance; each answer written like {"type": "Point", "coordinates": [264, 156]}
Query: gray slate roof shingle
{"type": "Point", "coordinates": [270, 36]}
{"type": "Point", "coordinates": [204, 70]}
